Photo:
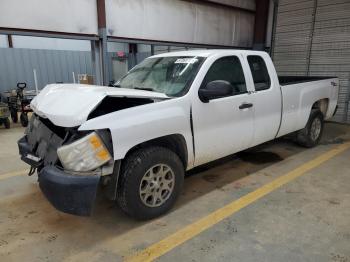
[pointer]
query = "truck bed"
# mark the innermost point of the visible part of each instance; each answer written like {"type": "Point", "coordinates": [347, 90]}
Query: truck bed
{"type": "Point", "coordinates": [299, 93]}
{"type": "Point", "coordinates": [290, 80]}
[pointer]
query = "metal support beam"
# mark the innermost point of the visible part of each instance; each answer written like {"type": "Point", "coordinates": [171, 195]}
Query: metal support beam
{"type": "Point", "coordinates": [40, 33]}
{"type": "Point", "coordinates": [260, 25]}
{"type": "Point", "coordinates": [133, 52]}
{"type": "Point", "coordinates": [102, 31]}
{"type": "Point", "coordinates": [96, 62]}
{"type": "Point", "coordinates": [274, 25]}
{"type": "Point", "coordinates": [9, 39]}
{"type": "Point", "coordinates": [104, 55]}
{"type": "Point", "coordinates": [219, 4]}
{"type": "Point", "coordinates": [166, 43]}
{"type": "Point", "coordinates": [311, 38]}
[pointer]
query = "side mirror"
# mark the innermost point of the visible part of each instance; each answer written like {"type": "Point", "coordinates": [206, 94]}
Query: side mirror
{"type": "Point", "coordinates": [215, 89]}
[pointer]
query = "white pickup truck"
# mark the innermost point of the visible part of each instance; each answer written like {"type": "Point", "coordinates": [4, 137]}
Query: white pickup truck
{"type": "Point", "coordinates": [169, 114]}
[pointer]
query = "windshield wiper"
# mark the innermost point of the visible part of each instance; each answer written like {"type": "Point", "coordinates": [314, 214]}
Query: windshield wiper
{"type": "Point", "coordinates": [144, 88]}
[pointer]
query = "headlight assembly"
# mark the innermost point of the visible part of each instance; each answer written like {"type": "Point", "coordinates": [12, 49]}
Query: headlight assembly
{"type": "Point", "coordinates": [85, 154]}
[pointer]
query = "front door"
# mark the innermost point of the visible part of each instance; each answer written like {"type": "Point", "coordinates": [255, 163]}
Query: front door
{"type": "Point", "coordinates": [223, 126]}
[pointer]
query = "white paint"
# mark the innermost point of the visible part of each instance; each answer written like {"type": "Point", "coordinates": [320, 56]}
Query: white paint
{"type": "Point", "coordinates": [179, 21]}
{"type": "Point", "coordinates": [78, 16]}
{"type": "Point", "coordinates": [78, 101]}
{"type": "Point", "coordinates": [139, 124]}
{"type": "Point", "coordinates": [220, 128]}
{"type": "Point", "coordinates": [299, 98]}
{"type": "Point", "coordinates": [267, 104]}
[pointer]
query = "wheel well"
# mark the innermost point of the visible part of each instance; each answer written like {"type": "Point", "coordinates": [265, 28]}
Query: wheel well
{"type": "Point", "coordinates": [175, 143]}
{"type": "Point", "coordinates": [321, 105]}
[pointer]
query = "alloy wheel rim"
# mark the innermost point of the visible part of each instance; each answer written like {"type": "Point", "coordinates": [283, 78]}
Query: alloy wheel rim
{"type": "Point", "coordinates": [157, 185]}
{"type": "Point", "coordinates": [315, 130]}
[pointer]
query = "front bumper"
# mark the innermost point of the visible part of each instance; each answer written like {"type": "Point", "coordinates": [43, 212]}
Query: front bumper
{"type": "Point", "coordinates": [73, 194]}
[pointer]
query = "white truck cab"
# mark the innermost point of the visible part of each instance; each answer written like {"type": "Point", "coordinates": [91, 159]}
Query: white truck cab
{"type": "Point", "coordinates": [170, 113]}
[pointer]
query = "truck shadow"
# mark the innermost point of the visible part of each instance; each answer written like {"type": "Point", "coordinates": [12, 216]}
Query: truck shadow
{"type": "Point", "coordinates": [206, 178]}
{"type": "Point", "coordinates": [200, 181]}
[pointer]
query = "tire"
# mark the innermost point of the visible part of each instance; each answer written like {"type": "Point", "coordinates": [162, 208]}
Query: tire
{"type": "Point", "coordinates": [24, 119]}
{"type": "Point", "coordinates": [14, 116]}
{"type": "Point", "coordinates": [311, 135]}
{"type": "Point", "coordinates": [7, 123]}
{"type": "Point", "coordinates": [135, 173]}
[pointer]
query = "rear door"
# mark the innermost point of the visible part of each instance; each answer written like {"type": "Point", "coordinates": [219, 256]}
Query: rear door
{"type": "Point", "coordinates": [266, 97]}
{"type": "Point", "coordinates": [223, 126]}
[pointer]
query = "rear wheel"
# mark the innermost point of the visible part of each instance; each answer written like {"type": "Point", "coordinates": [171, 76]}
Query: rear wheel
{"type": "Point", "coordinates": [151, 180]}
{"type": "Point", "coordinates": [311, 135]}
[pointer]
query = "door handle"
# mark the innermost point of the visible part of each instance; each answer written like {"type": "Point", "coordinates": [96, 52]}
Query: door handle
{"type": "Point", "coordinates": [245, 105]}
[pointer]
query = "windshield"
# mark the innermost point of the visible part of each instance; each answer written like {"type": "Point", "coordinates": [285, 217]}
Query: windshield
{"type": "Point", "coordinates": [169, 75]}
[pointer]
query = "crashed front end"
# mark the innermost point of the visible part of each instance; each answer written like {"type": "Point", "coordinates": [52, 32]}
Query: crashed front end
{"type": "Point", "coordinates": [69, 162]}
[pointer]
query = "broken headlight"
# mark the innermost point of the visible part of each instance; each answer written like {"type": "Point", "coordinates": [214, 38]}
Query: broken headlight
{"type": "Point", "coordinates": [85, 154]}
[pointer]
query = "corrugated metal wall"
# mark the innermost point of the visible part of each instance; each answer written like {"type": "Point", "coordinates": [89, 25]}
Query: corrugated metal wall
{"type": "Point", "coordinates": [181, 21]}
{"type": "Point", "coordinates": [78, 16]}
{"type": "Point", "coordinates": [312, 37]}
{"type": "Point", "coordinates": [52, 66]}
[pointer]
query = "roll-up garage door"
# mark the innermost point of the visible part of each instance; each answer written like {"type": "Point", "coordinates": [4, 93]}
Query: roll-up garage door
{"type": "Point", "coordinates": [313, 38]}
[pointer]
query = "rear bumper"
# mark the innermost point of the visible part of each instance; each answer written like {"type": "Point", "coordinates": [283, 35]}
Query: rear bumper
{"type": "Point", "coordinates": [71, 194]}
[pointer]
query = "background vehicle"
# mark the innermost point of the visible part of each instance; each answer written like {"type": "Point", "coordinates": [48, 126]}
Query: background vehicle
{"type": "Point", "coordinates": [19, 101]}
{"type": "Point", "coordinates": [169, 114]}
{"type": "Point", "coordinates": [4, 115]}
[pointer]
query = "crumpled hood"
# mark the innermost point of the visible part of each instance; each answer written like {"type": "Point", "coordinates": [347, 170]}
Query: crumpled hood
{"type": "Point", "coordinates": [69, 105]}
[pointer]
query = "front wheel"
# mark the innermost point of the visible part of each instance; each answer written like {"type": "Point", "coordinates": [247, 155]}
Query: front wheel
{"type": "Point", "coordinates": [310, 136]}
{"type": "Point", "coordinates": [151, 180]}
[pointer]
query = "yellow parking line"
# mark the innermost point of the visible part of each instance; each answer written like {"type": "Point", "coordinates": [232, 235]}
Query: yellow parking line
{"type": "Point", "coordinates": [158, 249]}
{"type": "Point", "coordinates": [13, 174]}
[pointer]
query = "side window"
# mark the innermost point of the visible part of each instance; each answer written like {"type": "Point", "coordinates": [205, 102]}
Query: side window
{"type": "Point", "coordinates": [229, 69]}
{"type": "Point", "coordinates": [259, 71]}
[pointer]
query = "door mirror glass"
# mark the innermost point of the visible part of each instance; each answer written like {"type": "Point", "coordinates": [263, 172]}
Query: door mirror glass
{"type": "Point", "coordinates": [215, 89]}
